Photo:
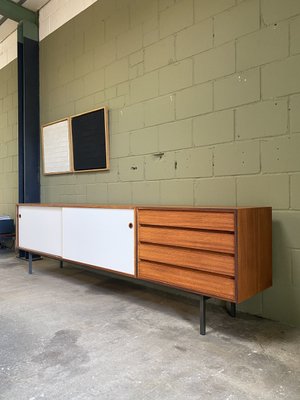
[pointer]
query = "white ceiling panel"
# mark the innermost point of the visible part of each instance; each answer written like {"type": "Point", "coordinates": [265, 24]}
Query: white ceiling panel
{"type": "Point", "coordinates": [35, 5]}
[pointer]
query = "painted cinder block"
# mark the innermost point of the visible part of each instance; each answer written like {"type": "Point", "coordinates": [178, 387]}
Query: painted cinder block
{"type": "Point", "coordinates": [277, 10]}
{"type": "Point", "coordinates": [51, 194]}
{"type": "Point", "coordinates": [160, 54]}
{"type": "Point", "coordinates": [237, 89]}
{"type": "Point", "coordinates": [281, 78]}
{"type": "Point", "coordinates": [263, 190]}
{"type": "Point", "coordinates": [296, 268]}
{"type": "Point", "coordinates": [194, 101]}
{"type": "Point", "coordinates": [116, 72]}
{"type": "Point", "coordinates": [105, 54]}
{"type": "Point", "coordinates": [136, 57]}
{"type": "Point", "coordinates": [196, 162]}
{"type": "Point", "coordinates": [295, 192]}
{"type": "Point", "coordinates": [177, 192]}
{"type": "Point", "coordinates": [281, 254]}
{"type": "Point", "coordinates": [83, 64]}
{"type": "Point", "coordinates": [205, 9]}
{"type": "Point", "coordinates": [144, 141]}
{"type": "Point", "coordinates": [117, 23]}
{"type": "Point", "coordinates": [281, 154]}
{"type": "Point", "coordinates": [97, 193]}
{"type": "Point", "coordinates": [236, 158]}
{"type": "Point", "coordinates": [295, 113]}
{"type": "Point", "coordinates": [131, 169]}
{"type": "Point", "coordinates": [194, 40]}
{"type": "Point", "coordinates": [163, 4]}
{"type": "Point", "coordinates": [280, 298]}
{"type": "Point", "coordinates": [237, 21]}
{"type": "Point", "coordinates": [160, 166]}
{"type": "Point", "coordinates": [176, 135]}
{"type": "Point", "coordinates": [288, 224]}
{"type": "Point", "coordinates": [213, 128]}
{"type": "Point", "coordinates": [159, 110]}
{"type": "Point", "coordinates": [131, 118]}
{"type": "Point", "coordinates": [295, 36]}
{"type": "Point", "coordinates": [110, 176]}
{"type": "Point", "coordinates": [176, 18]}
{"type": "Point", "coordinates": [119, 145]}
{"type": "Point", "coordinates": [142, 10]}
{"type": "Point", "coordinates": [215, 192]}
{"type": "Point", "coordinates": [119, 193]}
{"type": "Point", "coordinates": [215, 63]}
{"type": "Point", "coordinates": [263, 46]}
{"type": "Point", "coordinates": [144, 87]}
{"type": "Point", "coordinates": [267, 118]}
{"type": "Point", "coordinates": [129, 42]}
{"type": "Point", "coordinates": [176, 76]}
{"type": "Point", "coordinates": [151, 37]}
{"type": "Point", "coordinates": [145, 192]}
{"type": "Point", "coordinates": [94, 82]}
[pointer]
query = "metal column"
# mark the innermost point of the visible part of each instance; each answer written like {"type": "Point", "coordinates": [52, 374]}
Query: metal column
{"type": "Point", "coordinates": [28, 115]}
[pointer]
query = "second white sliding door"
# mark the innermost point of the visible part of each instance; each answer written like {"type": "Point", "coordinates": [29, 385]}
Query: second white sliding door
{"type": "Point", "coordinates": [100, 237]}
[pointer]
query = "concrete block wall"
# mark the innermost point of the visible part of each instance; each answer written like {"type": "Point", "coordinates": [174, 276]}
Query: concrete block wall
{"type": "Point", "coordinates": [204, 100]}
{"type": "Point", "coordinates": [8, 50]}
{"type": "Point", "coordinates": [8, 140]}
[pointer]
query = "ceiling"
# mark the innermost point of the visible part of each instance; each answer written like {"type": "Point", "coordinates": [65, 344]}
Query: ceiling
{"type": "Point", "coordinates": [7, 26]}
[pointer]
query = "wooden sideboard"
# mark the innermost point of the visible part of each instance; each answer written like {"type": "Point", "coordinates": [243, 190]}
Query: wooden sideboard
{"type": "Point", "coordinates": [224, 253]}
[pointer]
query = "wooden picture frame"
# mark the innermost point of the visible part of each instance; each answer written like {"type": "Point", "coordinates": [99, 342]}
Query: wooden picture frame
{"type": "Point", "coordinates": [79, 143]}
{"type": "Point", "coordinates": [90, 135]}
{"type": "Point", "coordinates": [57, 147]}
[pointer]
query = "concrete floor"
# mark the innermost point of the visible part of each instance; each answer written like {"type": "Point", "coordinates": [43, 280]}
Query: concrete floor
{"type": "Point", "coordinates": [75, 335]}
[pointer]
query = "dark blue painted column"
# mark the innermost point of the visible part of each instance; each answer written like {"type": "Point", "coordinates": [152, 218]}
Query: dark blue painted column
{"type": "Point", "coordinates": [28, 113]}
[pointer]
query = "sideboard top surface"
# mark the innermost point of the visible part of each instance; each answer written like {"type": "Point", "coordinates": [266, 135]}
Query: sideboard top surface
{"type": "Point", "coordinates": [143, 207]}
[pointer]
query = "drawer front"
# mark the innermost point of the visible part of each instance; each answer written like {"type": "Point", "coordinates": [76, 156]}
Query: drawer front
{"type": "Point", "coordinates": [213, 241]}
{"type": "Point", "coordinates": [219, 221]}
{"type": "Point", "coordinates": [188, 258]}
{"type": "Point", "coordinates": [188, 279]}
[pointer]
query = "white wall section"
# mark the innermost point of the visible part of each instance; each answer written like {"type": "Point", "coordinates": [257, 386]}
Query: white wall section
{"type": "Point", "coordinates": [8, 49]}
{"type": "Point", "coordinates": [53, 15]}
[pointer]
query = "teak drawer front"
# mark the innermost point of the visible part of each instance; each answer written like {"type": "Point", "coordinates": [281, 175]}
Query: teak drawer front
{"type": "Point", "coordinates": [213, 241]}
{"type": "Point", "coordinates": [219, 221]}
{"type": "Point", "coordinates": [191, 280]}
{"type": "Point", "coordinates": [188, 258]}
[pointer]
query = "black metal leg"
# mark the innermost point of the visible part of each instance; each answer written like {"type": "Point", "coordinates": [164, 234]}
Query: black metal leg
{"type": "Point", "coordinates": [202, 315]}
{"type": "Point", "coordinates": [61, 264]}
{"type": "Point", "coordinates": [231, 309]}
{"type": "Point", "coordinates": [30, 263]}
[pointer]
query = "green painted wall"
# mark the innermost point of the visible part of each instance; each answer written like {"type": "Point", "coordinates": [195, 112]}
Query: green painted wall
{"type": "Point", "coordinates": [8, 139]}
{"type": "Point", "coordinates": [213, 85]}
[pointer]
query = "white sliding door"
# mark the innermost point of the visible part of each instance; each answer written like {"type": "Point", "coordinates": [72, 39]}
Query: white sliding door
{"type": "Point", "coordinates": [100, 237]}
{"type": "Point", "coordinates": [40, 229]}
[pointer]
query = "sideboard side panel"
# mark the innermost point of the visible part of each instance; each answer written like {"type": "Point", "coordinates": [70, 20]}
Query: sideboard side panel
{"type": "Point", "coordinates": [254, 229]}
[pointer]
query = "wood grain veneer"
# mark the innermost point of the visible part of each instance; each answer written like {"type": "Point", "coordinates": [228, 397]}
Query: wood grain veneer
{"type": "Point", "coordinates": [188, 258]}
{"type": "Point", "coordinates": [195, 281]}
{"type": "Point", "coordinates": [199, 250]}
{"type": "Point", "coordinates": [188, 219]}
{"type": "Point", "coordinates": [205, 240]}
{"type": "Point", "coordinates": [254, 251]}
